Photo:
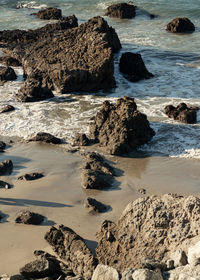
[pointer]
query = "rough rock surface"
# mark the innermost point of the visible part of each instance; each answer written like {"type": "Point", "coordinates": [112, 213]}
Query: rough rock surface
{"type": "Point", "coordinates": [7, 74]}
{"type": "Point", "coordinates": [194, 254]}
{"type": "Point", "coordinates": [96, 179]}
{"type": "Point", "coordinates": [31, 218]}
{"type": "Point", "coordinates": [7, 108]}
{"type": "Point", "coordinates": [97, 162]}
{"type": "Point", "coordinates": [81, 140]}
{"type": "Point", "coordinates": [150, 226]}
{"type": "Point", "coordinates": [104, 272]}
{"type": "Point", "coordinates": [10, 61]}
{"type": "Point", "coordinates": [31, 176]}
{"type": "Point", "coordinates": [120, 127]}
{"type": "Point", "coordinates": [132, 65]}
{"type": "Point", "coordinates": [186, 272]}
{"type": "Point", "coordinates": [121, 10]}
{"type": "Point", "coordinates": [49, 13]}
{"type": "Point", "coordinates": [179, 258]}
{"type": "Point", "coordinates": [180, 25]}
{"type": "Point", "coordinates": [6, 167]}
{"type": "Point", "coordinates": [95, 206]}
{"type": "Point", "coordinates": [182, 113]}
{"type": "Point", "coordinates": [72, 249]}
{"type": "Point", "coordinates": [146, 274]}
{"type": "Point", "coordinates": [46, 137]}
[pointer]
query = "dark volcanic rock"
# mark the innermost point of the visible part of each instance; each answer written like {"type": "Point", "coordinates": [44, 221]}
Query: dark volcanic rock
{"type": "Point", "coordinates": [6, 167]}
{"type": "Point", "coordinates": [2, 145]}
{"type": "Point", "coordinates": [182, 113]}
{"type": "Point", "coordinates": [132, 65]}
{"type": "Point", "coordinates": [7, 108]}
{"type": "Point", "coordinates": [5, 185]}
{"type": "Point", "coordinates": [46, 137]}
{"type": "Point", "coordinates": [72, 249]}
{"type": "Point", "coordinates": [81, 140]}
{"type": "Point", "coordinates": [10, 61]}
{"type": "Point", "coordinates": [121, 10]}
{"type": "Point", "coordinates": [31, 176]}
{"type": "Point", "coordinates": [120, 127]}
{"type": "Point", "coordinates": [7, 74]}
{"type": "Point", "coordinates": [49, 13]}
{"type": "Point", "coordinates": [95, 179]}
{"type": "Point", "coordinates": [95, 206]}
{"type": "Point", "coordinates": [31, 218]}
{"type": "Point", "coordinates": [180, 25]}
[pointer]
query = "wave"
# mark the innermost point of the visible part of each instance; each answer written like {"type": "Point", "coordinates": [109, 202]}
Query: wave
{"type": "Point", "coordinates": [31, 5]}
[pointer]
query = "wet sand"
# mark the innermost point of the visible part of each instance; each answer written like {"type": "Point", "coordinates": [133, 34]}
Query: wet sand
{"type": "Point", "coordinates": [59, 196]}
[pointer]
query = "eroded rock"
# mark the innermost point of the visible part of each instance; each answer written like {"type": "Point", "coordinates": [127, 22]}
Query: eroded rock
{"type": "Point", "coordinates": [121, 10]}
{"type": "Point", "coordinates": [31, 176]}
{"type": "Point", "coordinates": [7, 74]}
{"type": "Point", "coordinates": [97, 162]}
{"type": "Point", "coordinates": [180, 25]}
{"type": "Point", "coordinates": [96, 179]}
{"type": "Point", "coordinates": [46, 137]}
{"type": "Point", "coordinates": [49, 13]}
{"type": "Point", "coordinates": [6, 167]}
{"type": "Point", "coordinates": [2, 145]}
{"type": "Point", "coordinates": [182, 113]}
{"type": "Point", "coordinates": [95, 206]}
{"type": "Point", "coordinates": [31, 218]}
{"type": "Point", "coordinates": [81, 140]}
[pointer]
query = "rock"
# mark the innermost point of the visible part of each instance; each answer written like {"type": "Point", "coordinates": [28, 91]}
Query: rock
{"type": "Point", "coordinates": [121, 10]}
{"type": "Point", "coordinates": [182, 113]}
{"type": "Point", "coordinates": [31, 218]}
{"type": "Point", "coordinates": [142, 191]}
{"type": "Point", "coordinates": [72, 249]}
{"type": "Point", "coordinates": [149, 226]}
{"type": "Point", "coordinates": [46, 137]}
{"type": "Point", "coordinates": [2, 145]}
{"type": "Point", "coordinates": [95, 206]}
{"type": "Point", "coordinates": [5, 185]}
{"type": "Point", "coordinates": [92, 179]}
{"type": "Point", "coordinates": [120, 127]}
{"type": "Point", "coordinates": [152, 264]}
{"type": "Point", "coordinates": [101, 165]}
{"type": "Point", "coordinates": [180, 25]}
{"type": "Point", "coordinates": [7, 74]}
{"type": "Point", "coordinates": [31, 176]}
{"type": "Point", "coordinates": [127, 274]}
{"type": "Point", "coordinates": [146, 274]}
{"type": "Point", "coordinates": [132, 65]}
{"type": "Point", "coordinates": [6, 167]}
{"type": "Point", "coordinates": [10, 61]}
{"type": "Point", "coordinates": [186, 272]}
{"type": "Point", "coordinates": [49, 13]}
{"type": "Point", "coordinates": [170, 264]}
{"type": "Point", "coordinates": [16, 277]}
{"type": "Point", "coordinates": [81, 140]}
{"type": "Point", "coordinates": [7, 108]}
{"type": "Point", "coordinates": [104, 272]}
{"type": "Point", "coordinates": [194, 254]}
{"type": "Point", "coordinates": [179, 257]}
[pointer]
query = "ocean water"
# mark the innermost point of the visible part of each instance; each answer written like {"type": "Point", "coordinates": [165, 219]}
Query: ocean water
{"type": "Point", "coordinates": [173, 59]}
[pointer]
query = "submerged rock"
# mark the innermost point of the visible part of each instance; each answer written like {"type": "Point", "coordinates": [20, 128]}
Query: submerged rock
{"type": "Point", "coordinates": [7, 108]}
{"type": "Point", "coordinates": [31, 176]}
{"type": "Point", "coordinates": [95, 206]}
{"type": "Point", "coordinates": [182, 113]}
{"type": "Point", "coordinates": [180, 25]}
{"type": "Point", "coordinates": [120, 127]}
{"type": "Point", "coordinates": [46, 137]}
{"type": "Point", "coordinates": [121, 10]}
{"type": "Point", "coordinates": [7, 74]}
{"type": "Point", "coordinates": [31, 218]}
{"type": "Point", "coordinates": [49, 13]}
{"type": "Point", "coordinates": [132, 65]}
{"type": "Point", "coordinates": [6, 167]}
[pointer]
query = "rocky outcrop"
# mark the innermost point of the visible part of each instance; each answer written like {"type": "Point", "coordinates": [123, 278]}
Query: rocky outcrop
{"type": "Point", "coordinates": [7, 74]}
{"type": "Point", "coordinates": [180, 25]}
{"type": "Point", "coordinates": [49, 13]}
{"type": "Point", "coordinates": [7, 108]}
{"type": "Point", "coordinates": [31, 176]}
{"type": "Point", "coordinates": [150, 226]}
{"type": "Point", "coordinates": [120, 127]}
{"type": "Point", "coordinates": [95, 206]}
{"type": "Point", "coordinates": [6, 167]}
{"type": "Point", "coordinates": [121, 10]}
{"type": "Point", "coordinates": [31, 218]}
{"type": "Point", "coordinates": [133, 67]}
{"type": "Point", "coordinates": [72, 249]}
{"type": "Point", "coordinates": [46, 137]}
{"type": "Point", "coordinates": [182, 113]}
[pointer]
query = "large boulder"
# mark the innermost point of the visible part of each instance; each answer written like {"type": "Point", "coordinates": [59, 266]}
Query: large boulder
{"type": "Point", "coordinates": [133, 67]}
{"type": "Point", "coordinates": [120, 127]}
{"type": "Point", "coordinates": [152, 226]}
{"type": "Point", "coordinates": [182, 113]}
{"type": "Point", "coordinates": [72, 249]}
{"type": "Point", "coordinates": [180, 25]}
{"type": "Point", "coordinates": [7, 74]}
{"type": "Point", "coordinates": [121, 10]}
{"type": "Point", "coordinates": [49, 13]}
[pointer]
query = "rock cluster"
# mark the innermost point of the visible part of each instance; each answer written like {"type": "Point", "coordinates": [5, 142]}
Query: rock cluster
{"type": "Point", "coordinates": [182, 113]}
{"type": "Point", "coordinates": [180, 25]}
{"type": "Point", "coordinates": [121, 10]}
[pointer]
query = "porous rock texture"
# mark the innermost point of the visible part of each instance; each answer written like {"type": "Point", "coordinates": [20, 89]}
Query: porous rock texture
{"type": "Point", "coordinates": [180, 25]}
{"type": "Point", "coordinates": [72, 249]}
{"type": "Point", "coordinates": [121, 10]}
{"type": "Point", "coordinates": [150, 226]}
{"type": "Point", "coordinates": [28, 217]}
{"type": "Point", "coordinates": [182, 113]}
{"type": "Point", "coordinates": [120, 127]}
{"type": "Point", "coordinates": [49, 13]}
{"type": "Point", "coordinates": [7, 74]}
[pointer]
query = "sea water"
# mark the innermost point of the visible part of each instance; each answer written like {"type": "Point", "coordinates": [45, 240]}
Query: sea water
{"type": "Point", "coordinates": [174, 59]}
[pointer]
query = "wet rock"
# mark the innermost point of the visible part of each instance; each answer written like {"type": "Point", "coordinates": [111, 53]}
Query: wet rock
{"type": "Point", "coordinates": [7, 108]}
{"type": "Point", "coordinates": [31, 218]}
{"type": "Point", "coordinates": [182, 113]}
{"type": "Point", "coordinates": [72, 249]}
{"type": "Point", "coordinates": [121, 10]}
{"type": "Point", "coordinates": [92, 179]}
{"type": "Point", "coordinates": [180, 25]}
{"type": "Point", "coordinates": [104, 272]}
{"type": "Point", "coordinates": [95, 206]}
{"type": "Point", "coordinates": [194, 254]}
{"type": "Point", "coordinates": [46, 137]}
{"type": "Point", "coordinates": [81, 140]}
{"type": "Point", "coordinates": [10, 61]}
{"type": "Point", "coordinates": [31, 176]}
{"type": "Point", "coordinates": [99, 164]}
{"type": "Point", "coordinates": [49, 13]}
{"type": "Point", "coordinates": [7, 74]}
{"type": "Point", "coordinates": [146, 274]}
{"type": "Point", "coordinates": [120, 127]}
{"type": "Point", "coordinates": [2, 145]}
{"type": "Point", "coordinates": [179, 257]}
{"type": "Point", "coordinates": [132, 65]}
{"type": "Point", "coordinates": [5, 185]}
{"type": "Point", "coordinates": [149, 226]}
{"type": "Point", "coordinates": [6, 167]}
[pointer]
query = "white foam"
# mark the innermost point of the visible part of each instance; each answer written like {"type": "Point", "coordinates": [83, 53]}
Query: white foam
{"type": "Point", "coordinates": [31, 5]}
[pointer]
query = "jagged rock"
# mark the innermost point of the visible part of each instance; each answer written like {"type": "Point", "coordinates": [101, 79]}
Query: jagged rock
{"type": "Point", "coordinates": [104, 272]}
{"type": "Point", "coordinates": [31, 218]}
{"type": "Point", "coordinates": [120, 127]}
{"type": "Point", "coordinates": [72, 249]}
{"type": "Point", "coordinates": [99, 164]}
{"type": "Point", "coordinates": [10, 61]}
{"type": "Point", "coordinates": [146, 274]}
{"type": "Point", "coordinates": [95, 179]}
{"type": "Point", "coordinates": [179, 257]}
{"type": "Point", "coordinates": [194, 254]}
{"type": "Point", "coordinates": [49, 13]}
{"type": "Point", "coordinates": [6, 167]}
{"type": "Point", "coordinates": [46, 137]}
{"type": "Point", "coordinates": [182, 113]}
{"type": "Point", "coordinates": [81, 140]}
{"type": "Point", "coordinates": [95, 206]}
{"type": "Point", "coordinates": [180, 25]}
{"type": "Point", "coordinates": [127, 274]}
{"type": "Point", "coordinates": [7, 74]}
{"type": "Point", "coordinates": [132, 65]}
{"type": "Point", "coordinates": [31, 176]}
{"type": "Point", "coordinates": [149, 226]}
{"type": "Point", "coordinates": [2, 145]}
{"type": "Point", "coordinates": [7, 108]}
{"type": "Point", "coordinates": [121, 10]}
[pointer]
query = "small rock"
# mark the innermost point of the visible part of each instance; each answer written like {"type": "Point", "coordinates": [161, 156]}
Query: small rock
{"type": "Point", "coordinates": [142, 191]}
{"type": "Point", "coordinates": [10, 61]}
{"type": "Point", "coordinates": [81, 140]}
{"type": "Point", "coordinates": [182, 113]}
{"type": "Point", "coordinates": [179, 258]}
{"type": "Point", "coordinates": [31, 176]}
{"type": "Point", "coordinates": [146, 274]}
{"type": "Point", "coordinates": [27, 217]}
{"type": "Point", "coordinates": [99, 165]}
{"type": "Point", "coordinates": [194, 254]}
{"type": "Point", "coordinates": [104, 272]}
{"type": "Point", "coordinates": [180, 25]}
{"type": "Point", "coordinates": [94, 205]}
{"type": "Point", "coordinates": [121, 10]}
{"type": "Point", "coordinates": [4, 185]}
{"type": "Point", "coordinates": [7, 108]}
{"type": "Point", "coordinates": [6, 167]}
{"type": "Point", "coordinates": [95, 179]}
{"type": "Point", "coordinates": [46, 137]}
{"type": "Point", "coordinates": [2, 145]}
{"type": "Point", "coordinates": [7, 74]}
{"type": "Point", "coordinates": [49, 13]}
